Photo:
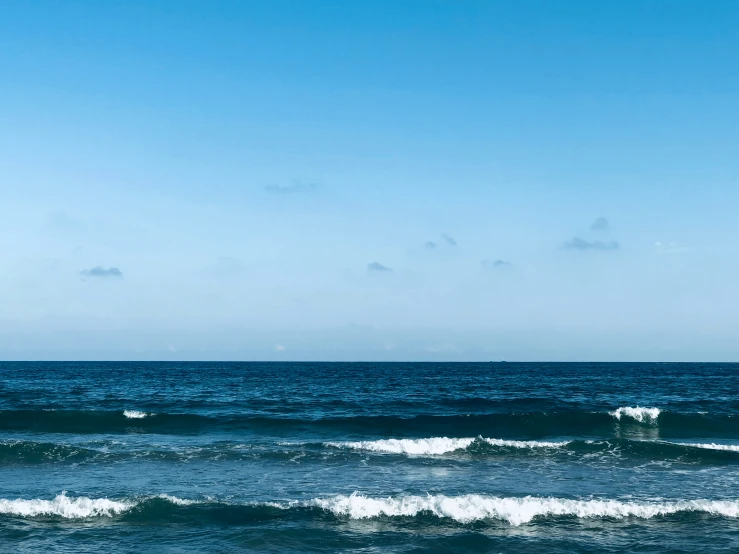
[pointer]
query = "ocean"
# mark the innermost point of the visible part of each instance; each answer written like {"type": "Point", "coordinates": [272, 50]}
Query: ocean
{"type": "Point", "coordinates": [369, 457]}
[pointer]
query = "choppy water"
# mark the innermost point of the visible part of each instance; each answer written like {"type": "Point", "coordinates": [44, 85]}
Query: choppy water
{"type": "Point", "coordinates": [315, 457]}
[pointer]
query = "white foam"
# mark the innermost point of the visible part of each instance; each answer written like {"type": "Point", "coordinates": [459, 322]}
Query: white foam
{"type": "Point", "coordinates": [80, 507]}
{"type": "Point", "coordinates": [464, 509]}
{"type": "Point", "coordinates": [712, 446]}
{"type": "Point", "coordinates": [135, 414]}
{"type": "Point", "coordinates": [418, 447]}
{"type": "Point", "coordinates": [516, 511]}
{"type": "Point", "coordinates": [526, 444]}
{"type": "Point", "coordinates": [178, 501]}
{"type": "Point", "coordinates": [435, 445]}
{"type": "Point", "coordinates": [639, 414]}
{"type": "Point", "coordinates": [64, 506]}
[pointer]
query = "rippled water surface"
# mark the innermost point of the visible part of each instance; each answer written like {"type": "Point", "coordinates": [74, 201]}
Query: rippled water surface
{"type": "Point", "coordinates": [319, 457]}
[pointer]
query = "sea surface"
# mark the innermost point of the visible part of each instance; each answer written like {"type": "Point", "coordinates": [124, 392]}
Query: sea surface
{"type": "Point", "coordinates": [360, 457]}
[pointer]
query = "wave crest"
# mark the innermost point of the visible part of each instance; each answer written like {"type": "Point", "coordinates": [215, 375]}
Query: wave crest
{"type": "Point", "coordinates": [178, 501]}
{"type": "Point", "coordinates": [526, 444]}
{"type": "Point", "coordinates": [431, 446]}
{"type": "Point", "coordinates": [463, 509]}
{"type": "Point", "coordinates": [712, 446]}
{"type": "Point", "coordinates": [516, 511]}
{"type": "Point", "coordinates": [437, 445]}
{"type": "Point", "coordinates": [135, 414]}
{"type": "Point", "coordinates": [66, 507]}
{"type": "Point", "coordinates": [642, 415]}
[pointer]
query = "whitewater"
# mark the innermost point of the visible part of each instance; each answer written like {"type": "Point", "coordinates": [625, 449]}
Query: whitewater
{"type": "Point", "coordinates": [438, 445]}
{"type": "Point", "coordinates": [463, 509]}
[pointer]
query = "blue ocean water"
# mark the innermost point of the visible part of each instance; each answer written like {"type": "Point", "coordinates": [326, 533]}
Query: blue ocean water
{"type": "Point", "coordinates": [359, 457]}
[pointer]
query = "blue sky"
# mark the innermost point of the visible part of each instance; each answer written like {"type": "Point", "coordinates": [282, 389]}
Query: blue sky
{"type": "Point", "coordinates": [369, 180]}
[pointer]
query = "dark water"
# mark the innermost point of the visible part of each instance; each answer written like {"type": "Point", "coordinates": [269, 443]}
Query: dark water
{"type": "Point", "coordinates": [312, 457]}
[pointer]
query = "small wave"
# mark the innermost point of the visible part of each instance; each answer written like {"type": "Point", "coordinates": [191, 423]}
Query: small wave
{"type": "Point", "coordinates": [436, 445]}
{"type": "Point", "coordinates": [516, 511]}
{"type": "Point", "coordinates": [648, 415]}
{"type": "Point", "coordinates": [463, 509]}
{"type": "Point", "coordinates": [178, 501]}
{"type": "Point", "coordinates": [712, 446]}
{"type": "Point", "coordinates": [66, 507]}
{"type": "Point", "coordinates": [83, 507]}
{"type": "Point", "coordinates": [432, 446]}
{"type": "Point", "coordinates": [31, 452]}
{"type": "Point", "coordinates": [514, 425]}
{"type": "Point", "coordinates": [526, 444]}
{"type": "Point", "coordinates": [135, 414]}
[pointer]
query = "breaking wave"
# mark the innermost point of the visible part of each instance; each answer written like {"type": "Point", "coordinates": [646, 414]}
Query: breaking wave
{"type": "Point", "coordinates": [516, 511]}
{"type": "Point", "coordinates": [15, 452]}
{"type": "Point", "coordinates": [646, 415]}
{"type": "Point", "coordinates": [712, 446]}
{"type": "Point", "coordinates": [462, 509]}
{"type": "Point", "coordinates": [82, 507]}
{"type": "Point", "coordinates": [135, 414]}
{"type": "Point", "coordinates": [437, 445]}
{"type": "Point", "coordinates": [65, 507]}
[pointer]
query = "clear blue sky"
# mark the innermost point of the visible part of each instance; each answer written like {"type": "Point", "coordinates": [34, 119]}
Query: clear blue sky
{"type": "Point", "coordinates": [285, 180]}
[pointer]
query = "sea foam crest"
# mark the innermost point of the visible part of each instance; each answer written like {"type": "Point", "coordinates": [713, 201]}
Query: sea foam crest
{"type": "Point", "coordinates": [436, 445]}
{"type": "Point", "coordinates": [178, 501]}
{"type": "Point", "coordinates": [82, 506]}
{"type": "Point", "coordinates": [712, 446]}
{"type": "Point", "coordinates": [64, 506]}
{"type": "Point", "coordinates": [464, 509]}
{"type": "Point", "coordinates": [134, 414]}
{"type": "Point", "coordinates": [516, 511]}
{"type": "Point", "coordinates": [526, 444]}
{"type": "Point", "coordinates": [639, 414]}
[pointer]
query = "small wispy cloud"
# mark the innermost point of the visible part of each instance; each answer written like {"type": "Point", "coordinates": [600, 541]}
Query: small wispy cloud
{"type": "Point", "coordinates": [577, 243]}
{"type": "Point", "coordinates": [291, 189]}
{"type": "Point", "coordinates": [445, 240]}
{"type": "Point", "coordinates": [496, 264]}
{"type": "Point", "coordinates": [99, 272]}
{"type": "Point", "coordinates": [600, 224]}
{"type": "Point", "coordinates": [377, 267]}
